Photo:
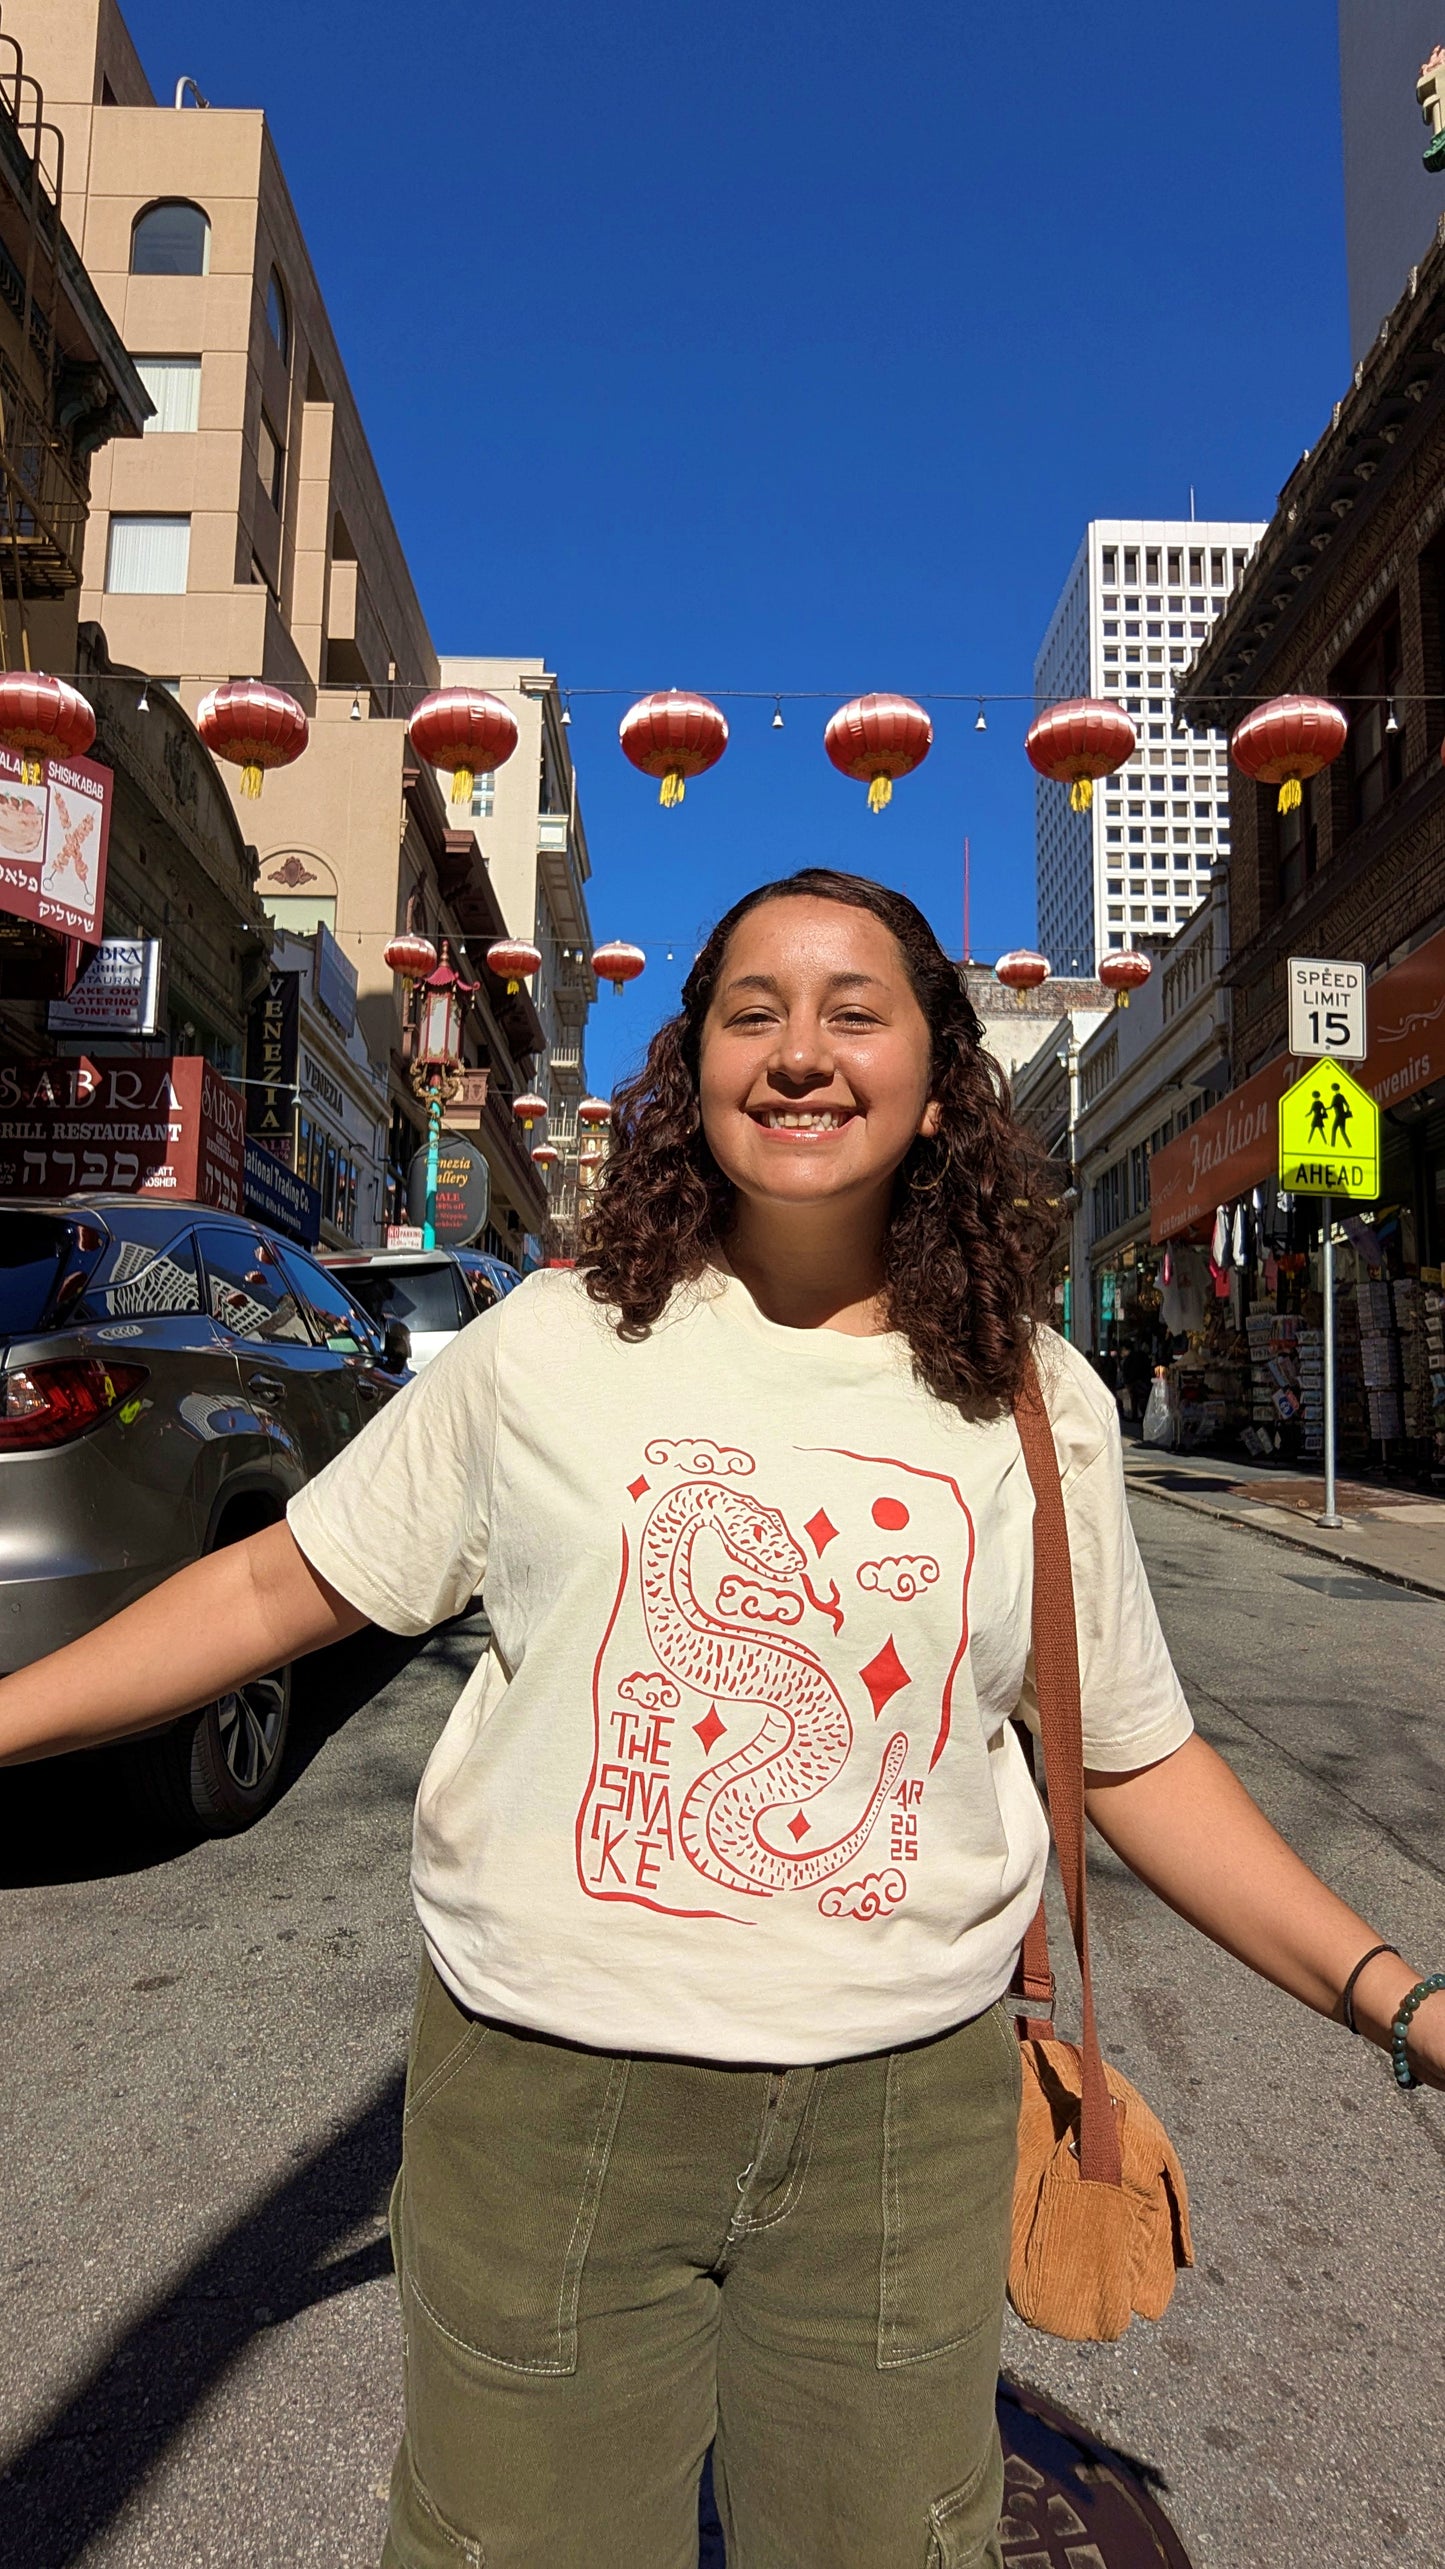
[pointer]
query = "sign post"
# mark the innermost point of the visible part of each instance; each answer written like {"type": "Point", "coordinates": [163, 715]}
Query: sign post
{"type": "Point", "coordinates": [1329, 1134]}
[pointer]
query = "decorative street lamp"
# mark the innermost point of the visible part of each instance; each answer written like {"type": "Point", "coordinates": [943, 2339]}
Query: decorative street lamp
{"type": "Point", "coordinates": [436, 1070]}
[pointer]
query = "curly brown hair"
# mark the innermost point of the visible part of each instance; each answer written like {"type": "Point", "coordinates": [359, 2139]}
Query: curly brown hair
{"type": "Point", "coordinates": [975, 1213]}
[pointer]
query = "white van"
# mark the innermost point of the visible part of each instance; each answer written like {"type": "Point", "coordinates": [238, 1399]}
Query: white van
{"type": "Point", "coordinates": [430, 1291]}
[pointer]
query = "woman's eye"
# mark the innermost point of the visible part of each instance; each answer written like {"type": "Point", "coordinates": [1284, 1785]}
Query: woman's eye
{"type": "Point", "coordinates": [856, 1020]}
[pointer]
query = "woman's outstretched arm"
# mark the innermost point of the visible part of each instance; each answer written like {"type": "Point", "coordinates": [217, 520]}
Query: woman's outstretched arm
{"type": "Point", "coordinates": [1190, 1830]}
{"type": "Point", "coordinates": [241, 1611]}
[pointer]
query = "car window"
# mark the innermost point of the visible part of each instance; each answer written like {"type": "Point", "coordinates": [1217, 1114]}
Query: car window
{"type": "Point", "coordinates": [426, 1298]}
{"type": "Point", "coordinates": [339, 1324]}
{"type": "Point", "coordinates": [35, 1249]}
{"type": "Point", "coordinates": [136, 1281]}
{"type": "Point", "coordinates": [249, 1290]}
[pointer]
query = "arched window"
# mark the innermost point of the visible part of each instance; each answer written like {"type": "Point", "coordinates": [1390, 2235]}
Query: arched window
{"type": "Point", "coordinates": [171, 240]}
{"type": "Point", "coordinates": [278, 319]}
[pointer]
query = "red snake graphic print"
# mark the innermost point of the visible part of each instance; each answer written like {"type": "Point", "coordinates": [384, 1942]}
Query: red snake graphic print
{"type": "Point", "coordinates": [804, 1739]}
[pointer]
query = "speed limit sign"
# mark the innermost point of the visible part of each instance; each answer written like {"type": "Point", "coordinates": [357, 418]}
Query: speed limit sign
{"type": "Point", "coordinates": [1326, 1009]}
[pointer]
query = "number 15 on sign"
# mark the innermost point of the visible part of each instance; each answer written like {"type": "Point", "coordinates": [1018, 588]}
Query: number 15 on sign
{"type": "Point", "coordinates": [1326, 1009]}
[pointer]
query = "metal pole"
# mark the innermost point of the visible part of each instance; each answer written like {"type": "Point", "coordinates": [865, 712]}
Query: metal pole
{"type": "Point", "coordinates": [433, 1149]}
{"type": "Point", "coordinates": [1331, 1517]}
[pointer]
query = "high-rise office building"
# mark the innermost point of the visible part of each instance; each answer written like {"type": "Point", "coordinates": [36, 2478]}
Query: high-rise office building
{"type": "Point", "coordinates": [1137, 604]}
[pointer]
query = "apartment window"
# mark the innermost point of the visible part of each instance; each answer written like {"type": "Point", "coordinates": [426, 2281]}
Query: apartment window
{"type": "Point", "coordinates": [1196, 574]}
{"type": "Point", "coordinates": [1240, 563]}
{"type": "Point", "coordinates": [483, 795]}
{"type": "Point", "coordinates": [147, 557]}
{"type": "Point", "coordinates": [271, 463]}
{"type": "Point", "coordinates": [1367, 682]}
{"type": "Point", "coordinates": [278, 317]}
{"type": "Point", "coordinates": [171, 240]}
{"type": "Point", "coordinates": [1111, 562]}
{"type": "Point", "coordinates": [174, 385]}
{"type": "Point", "coordinates": [1131, 567]}
{"type": "Point", "coordinates": [1176, 568]}
{"type": "Point", "coordinates": [1216, 570]}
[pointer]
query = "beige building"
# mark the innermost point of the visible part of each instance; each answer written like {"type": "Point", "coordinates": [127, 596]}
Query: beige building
{"type": "Point", "coordinates": [247, 534]}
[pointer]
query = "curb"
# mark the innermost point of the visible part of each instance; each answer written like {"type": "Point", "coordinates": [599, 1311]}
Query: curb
{"type": "Point", "coordinates": [1281, 1534]}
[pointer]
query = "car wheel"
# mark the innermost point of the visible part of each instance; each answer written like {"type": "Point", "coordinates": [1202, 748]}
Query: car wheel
{"type": "Point", "coordinates": [219, 1770]}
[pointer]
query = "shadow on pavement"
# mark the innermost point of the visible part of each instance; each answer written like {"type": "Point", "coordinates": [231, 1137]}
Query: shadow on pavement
{"type": "Point", "coordinates": [70, 2482]}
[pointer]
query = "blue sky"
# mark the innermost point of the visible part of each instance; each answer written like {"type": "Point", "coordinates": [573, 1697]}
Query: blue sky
{"type": "Point", "coordinates": [791, 347]}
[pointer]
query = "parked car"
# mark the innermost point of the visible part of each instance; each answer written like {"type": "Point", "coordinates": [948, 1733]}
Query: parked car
{"type": "Point", "coordinates": [435, 1292]}
{"type": "Point", "coordinates": [168, 1376]}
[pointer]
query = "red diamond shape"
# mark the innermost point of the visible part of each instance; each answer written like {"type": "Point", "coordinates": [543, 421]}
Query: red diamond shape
{"type": "Point", "coordinates": [711, 1729]}
{"type": "Point", "coordinates": [821, 1530]}
{"type": "Point", "coordinates": [884, 1675]}
{"type": "Point", "coordinates": [798, 1827]}
{"type": "Point", "coordinates": [636, 1488]}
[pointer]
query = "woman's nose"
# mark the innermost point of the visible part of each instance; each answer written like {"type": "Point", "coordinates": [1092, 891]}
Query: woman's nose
{"type": "Point", "coordinates": [802, 1051]}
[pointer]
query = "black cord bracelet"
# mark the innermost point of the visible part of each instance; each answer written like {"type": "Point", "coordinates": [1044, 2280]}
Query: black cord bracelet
{"type": "Point", "coordinates": [1347, 1998]}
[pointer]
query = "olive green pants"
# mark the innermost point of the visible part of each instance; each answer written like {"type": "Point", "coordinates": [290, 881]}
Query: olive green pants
{"type": "Point", "coordinates": [607, 2264]}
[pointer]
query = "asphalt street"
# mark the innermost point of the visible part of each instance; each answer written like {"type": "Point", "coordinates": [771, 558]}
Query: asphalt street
{"type": "Point", "coordinates": [199, 2357]}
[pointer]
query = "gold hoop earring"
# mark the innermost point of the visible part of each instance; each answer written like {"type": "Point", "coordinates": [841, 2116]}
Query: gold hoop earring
{"type": "Point", "coordinates": [927, 1185]}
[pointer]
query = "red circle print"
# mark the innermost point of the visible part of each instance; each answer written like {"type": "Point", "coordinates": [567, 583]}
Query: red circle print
{"type": "Point", "coordinates": [890, 1514]}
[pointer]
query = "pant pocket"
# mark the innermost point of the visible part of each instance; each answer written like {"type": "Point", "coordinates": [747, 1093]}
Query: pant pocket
{"type": "Point", "coordinates": [963, 2525]}
{"type": "Point", "coordinates": [503, 2163]}
{"type": "Point", "coordinates": [950, 2141]}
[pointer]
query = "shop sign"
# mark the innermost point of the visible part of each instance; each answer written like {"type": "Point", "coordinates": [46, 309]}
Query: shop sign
{"type": "Point", "coordinates": [1233, 1147]}
{"type": "Point", "coordinates": [117, 994]}
{"type": "Point", "coordinates": [403, 1235]}
{"type": "Point", "coordinates": [335, 980]}
{"type": "Point", "coordinates": [273, 1043]}
{"type": "Point", "coordinates": [170, 1127]}
{"type": "Point", "coordinates": [53, 841]}
{"type": "Point", "coordinates": [463, 1193]}
{"type": "Point", "coordinates": [1329, 1137]}
{"type": "Point", "coordinates": [275, 1194]}
{"type": "Point", "coordinates": [1326, 1009]}
{"type": "Point", "coordinates": [324, 1086]}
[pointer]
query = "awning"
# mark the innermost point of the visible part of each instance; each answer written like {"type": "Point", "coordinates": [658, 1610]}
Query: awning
{"type": "Point", "coordinates": [1232, 1148]}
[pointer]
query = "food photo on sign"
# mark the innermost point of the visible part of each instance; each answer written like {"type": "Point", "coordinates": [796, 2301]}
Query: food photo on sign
{"type": "Point", "coordinates": [53, 839]}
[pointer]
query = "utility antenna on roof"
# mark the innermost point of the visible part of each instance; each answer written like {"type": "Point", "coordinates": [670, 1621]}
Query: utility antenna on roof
{"type": "Point", "coordinates": [1191, 503]}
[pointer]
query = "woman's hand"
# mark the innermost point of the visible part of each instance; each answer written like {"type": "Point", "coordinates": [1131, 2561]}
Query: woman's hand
{"type": "Point", "coordinates": [1189, 1829]}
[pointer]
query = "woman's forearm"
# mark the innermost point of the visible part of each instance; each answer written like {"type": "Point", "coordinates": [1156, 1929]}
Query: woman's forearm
{"type": "Point", "coordinates": [1190, 1830]}
{"type": "Point", "coordinates": [241, 1611]}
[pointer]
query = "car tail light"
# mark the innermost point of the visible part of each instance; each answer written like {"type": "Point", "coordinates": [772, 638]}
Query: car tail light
{"type": "Point", "coordinates": [52, 1404]}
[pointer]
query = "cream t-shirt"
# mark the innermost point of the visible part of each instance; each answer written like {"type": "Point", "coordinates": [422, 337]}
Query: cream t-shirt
{"type": "Point", "coordinates": [737, 1778]}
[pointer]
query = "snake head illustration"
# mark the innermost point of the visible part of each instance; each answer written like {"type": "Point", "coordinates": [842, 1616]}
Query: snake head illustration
{"type": "Point", "coordinates": [757, 1536]}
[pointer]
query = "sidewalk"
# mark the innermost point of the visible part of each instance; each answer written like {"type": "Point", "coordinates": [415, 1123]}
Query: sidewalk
{"type": "Point", "coordinates": [1397, 1534]}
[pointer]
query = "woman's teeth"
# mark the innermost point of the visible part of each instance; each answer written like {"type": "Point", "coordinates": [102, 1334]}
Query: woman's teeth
{"type": "Point", "coordinates": [825, 1121]}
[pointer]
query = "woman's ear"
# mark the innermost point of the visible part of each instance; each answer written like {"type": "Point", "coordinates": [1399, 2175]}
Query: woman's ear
{"type": "Point", "coordinates": [932, 1118]}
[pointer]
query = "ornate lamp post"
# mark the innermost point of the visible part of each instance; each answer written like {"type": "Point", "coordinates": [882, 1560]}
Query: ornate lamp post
{"type": "Point", "coordinates": [436, 1070]}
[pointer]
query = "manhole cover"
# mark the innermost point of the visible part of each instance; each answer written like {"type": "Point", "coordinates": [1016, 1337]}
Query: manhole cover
{"type": "Point", "coordinates": [1069, 2501]}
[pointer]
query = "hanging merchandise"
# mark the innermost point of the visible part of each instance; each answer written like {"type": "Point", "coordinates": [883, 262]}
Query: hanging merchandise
{"type": "Point", "coordinates": [42, 718]}
{"type": "Point", "coordinates": [252, 725]}
{"type": "Point", "coordinates": [875, 739]}
{"type": "Point", "coordinates": [1286, 740]}
{"type": "Point", "coordinates": [1239, 1239]}
{"type": "Point", "coordinates": [1020, 970]}
{"type": "Point", "coordinates": [618, 962]}
{"type": "Point", "coordinates": [465, 730]}
{"type": "Point", "coordinates": [514, 960]}
{"type": "Point", "coordinates": [1075, 742]}
{"type": "Point", "coordinates": [1219, 1237]}
{"type": "Point", "coordinates": [1123, 971]}
{"type": "Point", "coordinates": [673, 735]}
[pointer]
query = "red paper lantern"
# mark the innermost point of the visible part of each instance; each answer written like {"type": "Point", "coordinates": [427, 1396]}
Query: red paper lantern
{"type": "Point", "coordinates": [1284, 741]}
{"type": "Point", "coordinates": [877, 738]}
{"type": "Point", "coordinates": [673, 735]}
{"type": "Point", "coordinates": [515, 958]}
{"type": "Point", "coordinates": [546, 1154]}
{"type": "Point", "coordinates": [252, 725]}
{"type": "Point", "coordinates": [1021, 969]}
{"type": "Point", "coordinates": [618, 962]}
{"type": "Point", "coordinates": [595, 1110]}
{"type": "Point", "coordinates": [1124, 971]}
{"type": "Point", "coordinates": [1080, 740]}
{"type": "Point", "coordinates": [463, 728]}
{"type": "Point", "coordinates": [42, 718]}
{"type": "Point", "coordinates": [529, 1109]}
{"type": "Point", "coordinates": [410, 957]}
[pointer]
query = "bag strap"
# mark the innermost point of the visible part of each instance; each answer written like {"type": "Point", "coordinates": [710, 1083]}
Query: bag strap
{"type": "Point", "coordinates": [1061, 1728]}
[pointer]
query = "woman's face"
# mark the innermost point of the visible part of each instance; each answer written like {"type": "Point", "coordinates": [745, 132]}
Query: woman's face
{"type": "Point", "coordinates": [814, 1075]}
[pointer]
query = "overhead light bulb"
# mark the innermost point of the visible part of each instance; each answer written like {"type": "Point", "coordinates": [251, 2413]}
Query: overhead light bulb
{"type": "Point", "coordinates": [356, 705]}
{"type": "Point", "coordinates": [143, 702]}
{"type": "Point", "coordinates": [566, 713]}
{"type": "Point", "coordinates": [777, 713]}
{"type": "Point", "coordinates": [982, 722]}
{"type": "Point", "coordinates": [1391, 721]}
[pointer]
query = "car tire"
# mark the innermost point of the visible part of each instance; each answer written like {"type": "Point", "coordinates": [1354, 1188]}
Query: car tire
{"type": "Point", "coordinates": [218, 1770]}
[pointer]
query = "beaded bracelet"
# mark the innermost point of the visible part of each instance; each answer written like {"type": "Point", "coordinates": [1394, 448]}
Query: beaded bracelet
{"type": "Point", "coordinates": [1404, 2018]}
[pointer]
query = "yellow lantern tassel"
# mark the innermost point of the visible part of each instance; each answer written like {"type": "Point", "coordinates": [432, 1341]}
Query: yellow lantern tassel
{"type": "Point", "coordinates": [511, 987]}
{"type": "Point", "coordinates": [1123, 998]}
{"type": "Point", "coordinates": [461, 785]}
{"type": "Point", "coordinates": [674, 788]}
{"type": "Point", "coordinates": [1291, 794]}
{"type": "Point", "coordinates": [880, 793]}
{"type": "Point", "coordinates": [1081, 794]}
{"type": "Point", "coordinates": [30, 771]}
{"type": "Point", "coordinates": [251, 780]}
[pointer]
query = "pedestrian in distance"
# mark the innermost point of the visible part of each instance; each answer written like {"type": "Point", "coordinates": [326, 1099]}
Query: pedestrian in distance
{"type": "Point", "coordinates": [724, 1858]}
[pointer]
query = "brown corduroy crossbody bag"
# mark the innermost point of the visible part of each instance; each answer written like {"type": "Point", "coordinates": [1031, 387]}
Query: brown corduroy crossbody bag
{"type": "Point", "coordinates": [1101, 2214]}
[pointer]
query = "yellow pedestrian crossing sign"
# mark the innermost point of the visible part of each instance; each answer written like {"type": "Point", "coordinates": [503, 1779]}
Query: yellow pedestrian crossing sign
{"type": "Point", "coordinates": [1329, 1136]}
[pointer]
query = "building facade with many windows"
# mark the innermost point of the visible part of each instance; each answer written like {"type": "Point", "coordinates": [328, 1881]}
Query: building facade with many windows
{"type": "Point", "coordinates": [1136, 607]}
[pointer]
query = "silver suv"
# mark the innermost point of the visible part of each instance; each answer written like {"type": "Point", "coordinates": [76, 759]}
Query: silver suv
{"type": "Point", "coordinates": [168, 1376]}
